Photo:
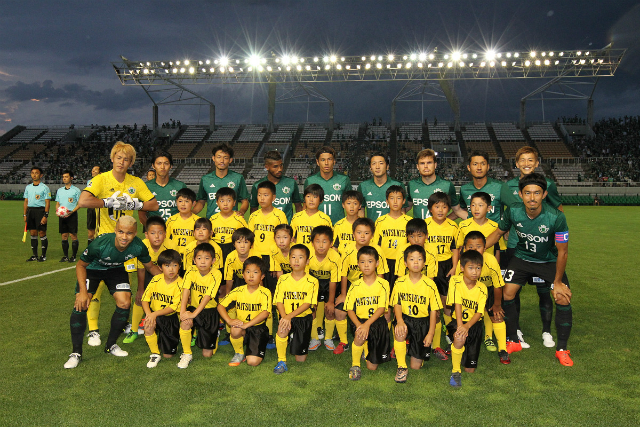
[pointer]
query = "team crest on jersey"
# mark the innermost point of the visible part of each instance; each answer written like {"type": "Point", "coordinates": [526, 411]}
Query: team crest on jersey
{"type": "Point", "coordinates": [286, 190]}
{"type": "Point", "coordinates": [492, 197]}
{"type": "Point", "coordinates": [37, 197]}
{"type": "Point", "coordinates": [128, 257]}
{"type": "Point", "coordinates": [543, 228]}
{"type": "Point", "coordinates": [86, 251]}
{"type": "Point", "coordinates": [231, 184]}
{"type": "Point", "coordinates": [337, 187]}
{"type": "Point", "coordinates": [131, 190]}
{"type": "Point", "coordinates": [70, 199]}
{"type": "Point", "coordinates": [173, 193]}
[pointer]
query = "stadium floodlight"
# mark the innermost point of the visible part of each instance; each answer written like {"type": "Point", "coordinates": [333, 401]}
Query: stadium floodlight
{"type": "Point", "coordinates": [378, 65]}
{"type": "Point", "coordinates": [192, 70]}
{"type": "Point", "coordinates": [269, 68]}
{"type": "Point", "coordinates": [537, 62]}
{"type": "Point", "coordinates": [294, 59]}
{"type": "Point", "coordinates": [182, 70]}
{"type": "Point", "coordinates": [222, 70]}
{"type": "Point", "coordinates": [490, 54]}
{"type": "Point", "coordinates": [373, 57]}
{"type": "Point", "coordinates": [315, 59]}
{"type": "Point", "coordinates": [432, 56]}
{"type": "Point", "coordinates": [547, 62]}
{"type": "Point", "coordinates": [285, 60]}
{"type": "Point", "coordinates": [333, 58]}
{"type": "Point", "coordinates": [516, 55]}
{"type": "Point", "coordinates": [527, 63]}
{"type": "Point", "coordinates": [390, 58]}
{"type": "Point", "coordinates": [422, 57]}
{"type": "Point", "coordinates": [578, 53]}
{"type": "Point", "coordinates": [254, 60]}
{"type": "Point", "coordinates": [186, 62]}
{"type": "Point", "coordinates": [367, 66]}
{"type": "Point", "coordinates": [207, 62]}
{"type": "Point", "coordinates": [532, 54]}
{"type": "Point", "coordinates": [325, 59]}
{"type": "Point", "coordinates": [455, 56]}
{"type": "Point", "coordinates": [212, 70]}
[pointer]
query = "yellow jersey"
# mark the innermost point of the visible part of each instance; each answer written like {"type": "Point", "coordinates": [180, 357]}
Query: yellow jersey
{"type": "Point", "coordinates": [469, 225]}
{"type": "Point", "coordinates": [159, 294]}
{"type": "Point", "coordinates": [390, 234]}
{"type": "Point", "coordinates": [248, 304]}
{"type": "Point", "coordinates": [233, 265]}
{"type": "Point", "coordinates": [223, 228]}
{"type": "Point", "coordinates": [491, 274]}
{"type": "Point", "coordinates": [349, 263]}
{"type": "Point", "coordinates": [201, 286]}
{"type": "Point", "coordinates": [430, 263]}
{"type": "Point", "coordinates": [262, 226]}
{"type": "Point", "coordinates": [180, 231]}
{"type": "Point", "coordinates": [343, 234]}
{"type": "Point", "coordinates": [472, 300]}
{"type": "Point", "coordinates": [189, 252]}
{"type": "Point", "coordinates": [292, 293]}
{"type": "Point", "coordinates": [327, 270]}
{"type": "Point", "coordinates": [365, 299]}
{"type": "Point", "coordinates": [303, 223]}
{"type": "Point", "coordinates": [416, 299]}
{"type": "Point", "coordinates": [442, 238]}
{"type": "Point", "coordinates": [283, 261]}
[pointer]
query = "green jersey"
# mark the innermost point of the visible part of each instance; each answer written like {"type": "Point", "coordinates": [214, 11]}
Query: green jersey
{"type": "Point", "coordinates": [418, 192]}
{"type": "Point", "coordinates": [102, 253]}
{"type": "Point", "coordinates": [509, 197]}
{"type": "Point", "coordinates": [166, 197]}
{"type": "Point", "coordinates": [493, 188]}
{"type": "Point", "coordinates": [375, 198]}
{"type": "Point", "coordinates": [287, 193]}
{"type": "Point", "coordinates": [333, 189]}
{"type": "Point", "coordinates": [536, 238]}
{"type": "Point", "coordinates": [211, 183]}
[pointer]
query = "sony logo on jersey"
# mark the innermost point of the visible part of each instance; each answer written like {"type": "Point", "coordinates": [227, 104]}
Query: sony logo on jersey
{"type": "Point", "coordinates": [282, 201]}
{"type": "Point", "coordinates": [532, 238]}
{"type": "Point", "coordinates": [167, 203]}
{"type": "Point", "coordinates": [377, 204]}
{"type": "Point", "coordinates": [332, 197]}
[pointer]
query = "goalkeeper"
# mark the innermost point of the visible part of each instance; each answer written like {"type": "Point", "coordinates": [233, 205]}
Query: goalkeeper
{"type": "Point", "coordinates": [114, 193]}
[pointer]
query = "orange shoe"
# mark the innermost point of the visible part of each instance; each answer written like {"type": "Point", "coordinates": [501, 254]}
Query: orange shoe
{"type": "Point", "coordinates": [564, 357]}
{"type": "Point", "coordinates": [513, 347]}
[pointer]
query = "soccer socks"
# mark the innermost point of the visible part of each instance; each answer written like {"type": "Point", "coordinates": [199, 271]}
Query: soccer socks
{"type": "Point", "coordinates": [94, 308]}
{"type": "Point", "coordinates": [341, 326]}
{"type": "Point", "coordinates": [152, 342]}
{"type": "Point", "coordinates": [34, 245]}
{"type": "Point", "coordinates": [45, 244]}
{"type": "Point", "coordinates": [318, 321]}
{"type": "Point", "coordinates": [237, 344]}
{"type": "Point", "coordinates": [356, 353]}
{"type": "Point", "coordinates": [437, 335]}
{"type": "Point", "coordinates": [456, 359]}
{"type": "Point", "coordinates": [281, 348]}
{"type": "Point", "coordinates": [511, 319]}
{"type": "Point", "coordinates": [185, 339]}
{"type": "Point", "coordinates": [546, 309]}
{"type": "Point", "coordinates": [119, 321]}
{"type": "Point", "coordinates": [74, 247]}
{"type": "Point", "coordinates": [65, 248]}
{"type": "Point", "coordinates": [269, 323]}
{"type": "Point", "coordinates": [564, 321]}
{"type": "Point", "coordinates": [401, 353]}
{"type": "Point", "coordinates": [330, 326]}
{"type": "Point", "coordinates": [488, 326]}
{"type": "Point", "coordinates": [77, 324]}
{"type": "Point", "coordinates": [136, 317]}
{"type": "Point", "coordinates": [89, 241]}
{"type": "Point", "coordinates": [500, 329]}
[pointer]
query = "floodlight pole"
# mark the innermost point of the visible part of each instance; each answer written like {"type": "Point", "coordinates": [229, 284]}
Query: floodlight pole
{"type": "Point", "coordinates": [155, 116]}
{"type": "Point", "coordinates": [393, 142]}
{"type": "Point", "coordinates": [271, 107]}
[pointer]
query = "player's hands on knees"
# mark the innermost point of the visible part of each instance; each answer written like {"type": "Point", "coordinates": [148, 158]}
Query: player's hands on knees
{"type": "Point", "coordinates": [339, 299]}
{"type": "Point", "coordinates": [362, 332]}
{"type": "Point", "coordinates": [561, 293]}
{"type": "Point", "coordinates": [236, 323]}
{"type": "Point", "coordinates": [329, 309]}
{"type": "Point", "coordinates": [401, 329]}
{"type": "Point", "coordinates": [498, 313]}
{"type": "Point", "coordinates": [461, 333]}
{"type": "Point", "coordinates": [284, 325]}
{"type": "Point", "coordinates": [82, 302]}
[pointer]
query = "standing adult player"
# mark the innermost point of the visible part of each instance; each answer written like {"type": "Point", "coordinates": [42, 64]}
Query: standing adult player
{"type": "Point", "coordinates": [219, 178]}
{"type": "Point", "coordinates": [104, 261]}
{"type": "Point", "coordinates": [163, 187]}
{"type": "Point", "coordinates": [91, 212]}
{"type": "Point", "coordinates": [37, 200]}
{"type": "Point", "coordinates": [333, 184]}
{"type": "Point", "coordinates": [374, 190]}
{"type": "Point", "coordinates": [542, 250]}
{"type": "Point", "coordinates": [287, 192]}
{"type": "Point", "coordinates": [419, 189]}
{"type": "Point", "coordinates": [68, 196]}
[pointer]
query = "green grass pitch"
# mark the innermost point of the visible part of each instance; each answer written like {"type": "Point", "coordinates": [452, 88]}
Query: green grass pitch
{"type": "Point", "coordinates": [602, 387]}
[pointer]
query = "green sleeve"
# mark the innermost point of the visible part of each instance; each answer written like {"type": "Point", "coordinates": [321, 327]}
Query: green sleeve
{"type": "Point", "coordinates": [463, 202]}
{"type": "Point", "coordinates": [243, 194]}
{"type": "Point", "coordinates": [553, 198]}
{"type": "Point", "coordinates": [506, 198]}
{"type": "Point", "coordinates": [296, 197]}
{"type": "Point", "coordinates": [561, 224]}
{"type": "Point", "coordinates": [505, 220]}
{"type": "Point", "coordinates": [347, 185]}
{"type": "Point", "coordinates": [202, 194]}
{"type": "Point", "coordinates": [254, 195]}
{"type": "Point", "coordinates": [453, 195]}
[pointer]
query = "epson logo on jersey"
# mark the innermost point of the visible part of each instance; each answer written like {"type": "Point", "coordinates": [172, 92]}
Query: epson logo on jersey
{"type": "Point", "coordinates": [167, 203]}
{"type": "Point", "coordinates": [332, 197]}
{"type": "Point", "coordinates": [377, 204]}
{"type": "Point", "coordinates": [421, 202]}
{"type": "Point", "coordinates": [532, 238]}
{"type": "Point", "coordinates": [123, 286]}
{"type": "Point", "coordinates": [212, 196]}
{"type": "Point", "coordinates": [282, 201]}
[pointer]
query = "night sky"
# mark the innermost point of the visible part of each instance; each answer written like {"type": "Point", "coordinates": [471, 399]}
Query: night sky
{"type": "Point", "coordinates": [55, 56]}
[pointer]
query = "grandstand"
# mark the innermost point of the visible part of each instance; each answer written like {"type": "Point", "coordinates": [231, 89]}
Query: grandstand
{"type": "Point", "coordinates": [285, 133]}
{"type": "Point", "coordinates": [410, 132]}
{"type": "Point", "coordinates": [570, 175]}
{"type": "Point", "coordinates": [192, 174]}
{"type": "Point", "coordinates": [27, 135]}
{"type": "Point", "coordinates": [441, 132]}
{"type": "Point", "coordinates": [192, 134]}
{"type": "Point", "coordinates": [346, 131]}
{"type": "Point", "coordinates": [182, 150]}
{"type": "Point", "coordinates": [224, 133]}
{"type": "Point", "coordinates": [312, 132]}
{"type": "Point", "coordinates": [252, 133]}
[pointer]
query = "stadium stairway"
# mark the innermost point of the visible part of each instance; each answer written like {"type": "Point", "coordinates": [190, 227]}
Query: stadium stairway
{"type": "Point", "coordinates": [197, 147]}
{"type": "Point", "coordinates": [11, 133]}
{"type": "Point", "coordinates": [463, 148]}
{"type": "Point", "coordinates": [426, 141]}
{"type": "Point", "coordinates": [494, 141]}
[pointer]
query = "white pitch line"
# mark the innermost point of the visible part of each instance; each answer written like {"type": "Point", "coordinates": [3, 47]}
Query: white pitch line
{"type": "Point", "coordinates": [37, 275]}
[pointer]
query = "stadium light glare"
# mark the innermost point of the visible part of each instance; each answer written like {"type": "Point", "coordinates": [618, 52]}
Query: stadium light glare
{"type": "Point", "coordinates": [379, 57]}
{"type": "Point", "coordinates": [367, 66]}
{"type": "Point", "coordinates": [516, 55]}
{"type": "Point", "coordinates": [222, 70]}
{"type": "Point", "coordinates": [307, 67]}
{"type": "Point", "coordinates": [408, 65]}
{"type": "Point", "coordinates": [582, 61]}
{"type": "Point", "coordinates": [177, 62]}
{"type": "Point", "coordinates": [254, 60]}
{"type": "Point", "coordinates": [327, 67]}
{"type": "Point", "coordinates": [446, 56]}
{"type": "Point", "coordinates": [288, 68]}
{"type": "Point", "coordinates": [490, 54]}
{"type": "Point", "coordinates": [231, 69]}
{"type": "Point", "coordinates": [348, 67]}
{"type": "Point", "coordinates": [492, 64]}
{"type": "Point", "coordinates": [470, 64]}
{"type": "Point", "coordinates": [364, 58]}
{"type": "Point", "coordinates": [212, 69]}
{"type": "Point", "coordinates": [440, 64]}
{"type": "Point", "coordinates": [145, 71]}
{"type": "Point", "coordinates": [450, 64]}
{"type": "Point", "coordinates": [578, 53]}
{"type": "Point", "coordinates": [342, 58]}
{"type": "Point", "coordinates": [315, 59]}
{"type": "Point", "coordinates": [474, 56]}
{"type": "Point", "coordinates": [285, 60]}
{"type": "Point", "coordinates": [358, 66]}
{"type": "Point", "coordinates": [537, 62]}
{"type": "Point", "coordinates": [508, 54]}
{"type": "Point", "coordinates": [543, 53]}
{"type": "Point", "coordinates": [378, 65]}
{"type": "Point", "coordinates": [464, 56]}
{"type": "Point", "coordinates": [504, 63]}
{"type": "Point", "coordinates": [547, 62]}
{"type": "Point", "coordinates": [207, 62]}
{"type": "Point", "coordinates": [325, 59]}
{"type": "Point", "coordinates": [389, 66]}
{"type": "Point", "coordinates": [269, 68]}
{"type": "Point", "coordinates": [431, 56]}
{"type": "Point", "coordinates": [182, 70]}
{"type": "Point", "coordinates": [399, 65]}
{"type": "Point", "coordinates": [587, 53]}
{"type": "Point", "coordinates": [561, 53]}
{"type": "Point", "coordinates": [527, 63]}
{"type": "Point", "coordinates": [294, 59]}
{"type": "Point", "coordinates": [390, 58]}
{"type": "Point", "coordinates": [532, 54]}
{"type": "Point", "coordinates": [224, 61]}
{"type": "Point", "coordinates": [333, 58]}
{"type": "Point", "coordinates": [192, 70]}
{"type": "Point", "coordinates": [419, 64]}
{"type": "Point", "coordinates": [421, 57]}
{"type": "Point", "coordinates": [186, 62]}
{"type": "Point", "coordinates": [405, 57]}
{"type": "Point", "coordinates": [339, 67]}
{"type": "Point", "coordinates": [461, 64]}
{"type": "Point", "coordinates": [482, 64]}
{"type": "Point", "coordinates": [455, 56]}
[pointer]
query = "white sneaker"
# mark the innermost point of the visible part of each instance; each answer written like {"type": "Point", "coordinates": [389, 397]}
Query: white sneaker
{"type": "Point", "coordinates": [127, 329]}
{"type": "Point", "coordinates": [547, 340]}
{"type": "Point", "coordinates": [117, 351]}
{"type": "Point", "coordinates": [314, 344]}
{"type": "Point", "coordinates": [94, 339]}
{"type": "Point", "coordinates": [74, 360]}
{"type": "Point", "coordinates": [521, 338]}
{"type": "Point", "coordinates": [185, 359]}
{"type": "Point", "coordinates": [153, 360]}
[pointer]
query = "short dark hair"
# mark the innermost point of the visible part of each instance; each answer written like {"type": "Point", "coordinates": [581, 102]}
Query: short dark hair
{"type": "Point", "coordinates": [439, 197]}
{"type": "Point", "coordinates": [285, 227]}
{"type": "Point", "coordinates": [222, 147]}
{"type": "Point", "coordinates": [314, 190]}
{"type": "Point", "coordinates": [481, 195]}
{"type": "Point", "coordinates": [97, 166]}
{"type": "Point", "coordinates": [205, 247]}
{"type": "Point", "coordinates": [325, 150]}
{"type": "Point", "coordinates": [427, 152]}
{"type": "Point", "coordinates": [226, 191]}
{"type": "Point", "coordinates": [203, 222]}
{"type": "Point", "coordinates": [68, 171]}
{"type": "Point", "coordinates": [368, 250]}
{"type": "Point", "coordinates": [364, 221]}
{"type": "Point", "coordinates": [168, 256]}
{"type": "Point", "coordinates": [395, 189]}
{"type": "Point", "coordinates": [159, 154]}
{"type": "Point", "coordinates": [156, 220]}
{"type": "Point", "coordinates": [474, 235]}
{"type": "Point", "coordinates": [273, 155]}
{"type": "Point", "coordinates": [38, 168]}
{"type": "Point", "coordinates": [322, 229]}
{"type": "Point", "coordinates": [478, 153]}
{"type": "Point", "coordinates": [254, 260]}
{"type": "Point", "coordinates": [533, 179]}
{"type": "Point", "coordinates": [300, 247]}
{"type": "Point", "coordinates": [472, 256]}
{"type": "Point", "coordinates": [268, 185]}
{"type": "Point", "coordinates": [417, 225]}
{"type": "Point", "coordinates": [379, 154]}
{"type": "Point", "coordinates": [414, 248]}
{"type": "Point", "coordinates": [353, 194]}
{"type": "Point", "coordinates": [243, 233]}
{"type": "Point", "coordinates": [187, 193]}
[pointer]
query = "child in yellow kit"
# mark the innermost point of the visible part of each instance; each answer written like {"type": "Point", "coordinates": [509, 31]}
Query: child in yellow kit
{"type": "Point", "coordinates": [227, 221]}
{"type": "Point", "coordinates": [202, 233]}
{"type": "Point", "coordinates": [180, 226]}
{"type": "Point", "coordinates": [304, 222]}
{"type": "Point", "coordinates": [352, 202]}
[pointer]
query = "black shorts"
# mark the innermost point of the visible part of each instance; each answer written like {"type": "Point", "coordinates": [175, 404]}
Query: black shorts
{"type": "Point", "coordinates": [521, 272]}
{"type": "Point", "coordinates": [116, 279]}
{"type": "Point", "coordinates": [91, 219]}
{"type": "Point", "coordinates": [338, 293]}
{"type": "Point", "coordinates": [168, 332]}
{"type": "Point", "coordinates": [417, 330]}
{"type": "Point", "coordinates": [300, 335]}
{"type": "Point", "coordinates": [472, 344]}
{"type": "Point", "coordinates": [378, 341]}
{"type": "Point", "coordinates": [256, 339]}
{"type": "Point", "coordinates": [69, 224]}
{"type": "Point", "coordinates": [505, 258]}
{"type": "Point", "coordinates": [323, 290]}
{"type": "Point", "coordinates": [206, 323]}
{"type": "Point", "coordinates": [226, 248]}
{"type": "Point", "coordinates": [390, 276]}
{"type": "Point", "coordinates": [442, 281]}
{"type": "Point", "coordinates": [490, 300]}
{"type": "Point", "coordinates": [34, 217]}
{"type": "Point", "coordinates": [269, 282]}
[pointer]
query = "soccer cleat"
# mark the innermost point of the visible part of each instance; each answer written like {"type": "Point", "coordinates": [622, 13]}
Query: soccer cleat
{"type": "Point", "coordinates": [513, 347]}
{"type": "Point", "coordinates": [131, 337]}
{"type": "Point", "coordinates": [564, 356]}
{"type": "Point", "coordinates": [547, 340]}
{"type": "Point", "coordinates": [271, 344]}
{"type": "Point", "coordinates": [42, 258]}
{"type": "Point", "coordinates": [401, 375]}
{"type": "Point", "coordinates": [141, 327]}
{"type": "Point", "coordinates": [320, 333]}
{"type": "Point", "coordinates": [447, 350]}
{"type": "Point", "coordinates": [94, 339]}
{"type": "Point", "coordinates": [440, 354]}
{"type": "Point", "coordinates": [455, 380]}
{"type": "Point", "coordinates": [504, 357]}
{"type": "Point", "coordinates": [393, 353]}
{"type": "Point", "coordinates": [341, 348]}
{"type": "Point", "coordinates": [224, 340]}
{"type": "Point", "coordinates": [314, 344]}
{"type": "Point", "coordinates": [74, 360]}
{"type": "Point", "coordinates": [33, 258]}
{"type": "Point", "coordinates": [237, 359]}
{"type": "Point", "coordinates": [116, 351]}
{"type": "Point", "coordinates": [280, 368]}
{"type": "Point", "coordinates": [64, 259]}
{"type": "Point", "coordinates": [355, 373]}
{"type": "Point", "coordinates": [491, 346]}
{"type": "Point", "coordinates": [72, 259]}
{"type": "Point", "coordinates": [521, 338]}
{"type": "Point", "coordinates": [127, 329]}
{"type": "Point", "coordinates": [154, 359]}
{"type": "Point", "coordinates": [329, 345]}
{"type": "Point", "coordinates": [185, 359]}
